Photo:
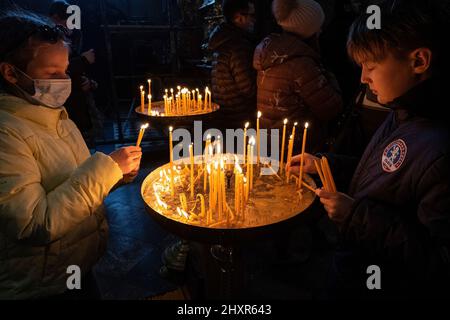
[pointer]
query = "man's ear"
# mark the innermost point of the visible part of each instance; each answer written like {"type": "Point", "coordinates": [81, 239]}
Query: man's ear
{"type": "Point", "coordinates": [421, 59]}
{"type": "Point", "coordinates": [8, 73]}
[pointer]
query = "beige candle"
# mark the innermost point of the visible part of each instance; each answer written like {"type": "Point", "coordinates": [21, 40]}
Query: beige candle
{"type": "Point", "coordinates": [142, 98]}
{"type": "Point", "coordinates": [141, 134]}
{"type": "Point", "coordinates": [302, 160]}
{"type": "Point", "coordinates": [289, 156]}
{"type": "Point", "coordinates": [172, 189]}
{"type": "Point", "coordinates": [245, 141]}
{"type": "Point", "coordinates": [258, 138]}
{"type": "Point", "coordinates": [149, 109]}
{"type": "Point", "coordinates": [191, 156]}
{"type": "Point", "coordinates": [283, 140]}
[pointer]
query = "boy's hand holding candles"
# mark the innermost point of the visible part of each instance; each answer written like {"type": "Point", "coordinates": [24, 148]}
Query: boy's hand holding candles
{"type": "Point", "coordinates": [337, 204]}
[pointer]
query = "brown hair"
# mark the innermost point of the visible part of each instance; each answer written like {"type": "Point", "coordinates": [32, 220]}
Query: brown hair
{"type": "Point", "coordinates": [405, 26]}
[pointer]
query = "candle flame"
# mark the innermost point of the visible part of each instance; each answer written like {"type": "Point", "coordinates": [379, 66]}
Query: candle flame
{"type": "Point", "coordinates": [295, 123]}
{"type": "Point", "coordinates": [170, 129]}
{"type": "Point", "coordinates": [252, 140]}
{"type": "Point", "coordinates": [141, 87]}
{"type": "Point", "coordinates": [247, 124]}
{"type": "Point", "coordinates": [148, 80]}
{"type": "Point", "coordinates": [259, 114]}
{"type": "Point", "coordinates": [208, 137]}
{"type": "Point", "coordinates": [144, 126]}
{"type": "Point", "coordinates": [171, 90]}
{"type": "Point", "coordinates": [306, 125]}
{"type": "Point", "coordinates": [285, 121]}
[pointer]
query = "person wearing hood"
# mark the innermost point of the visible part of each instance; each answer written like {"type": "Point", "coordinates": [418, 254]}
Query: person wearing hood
{"type": "Point", "coordinates": [392, 207]}
{"type": "Point", "coordinates": [51, 189]}
{"type": "Point", "coordinates": [292, 82]}
{"type": "Point", "coordinates": [233, 78]}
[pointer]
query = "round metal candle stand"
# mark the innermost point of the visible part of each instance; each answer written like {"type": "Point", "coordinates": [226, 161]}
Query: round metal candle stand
{"type": "Point", "coordinates": [224, 243]}
{"type": "Point", "coordinates": [163, 122]}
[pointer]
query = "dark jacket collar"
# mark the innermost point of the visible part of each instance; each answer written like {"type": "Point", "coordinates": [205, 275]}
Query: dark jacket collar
{"type": "Point", "coordinates": [424, 100]}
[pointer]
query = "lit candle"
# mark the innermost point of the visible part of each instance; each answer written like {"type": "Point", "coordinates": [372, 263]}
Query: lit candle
{"type": "Point", "coordinates": [198, 92]}
{"type": "Point", "coordinates": [245, 140]}
{"type": "Point", "coordinates": [210, 102]}
{"type": "Point", "coordinates": [206, 158]}
{"type": "Point", "coordinates": [289, 157]}
{"type": "Point", "coordinates": [302, 160]}
{"type": "Point", "coordinates": [149, 110]}
{"type": "Point", "coordinates": [141, 134]}
{"type": "Point", "coordinates": [219, 150]}
{"type": "Point", "coordinates": [200, 101]}
{"type": "Point", "coordinates": [206, 99]}
{"type": "Point", "coordinates": [191, 155]}
{"type": "Point", "coordinates": [142, 98]}
{"type": "Point", "coordinates": [208, 167]}
{"type": "Point", "coordinates": [293, 131]}
{"type": "Point", "coordinates": [283, 140]}
{"type": "Point", "coordinates": [165, 105]}
{"type": "Point", "coordinates": [171, 162]}
{"type": "Point", "coordinates": [251, 146]}
{"type": "Point", "coordinates": [258, 139]}
{"type": "Point", "coordinates": [149, 86]}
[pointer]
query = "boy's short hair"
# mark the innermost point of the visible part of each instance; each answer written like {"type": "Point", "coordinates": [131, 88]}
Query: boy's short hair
{"type": "Point", "coordinates": [405, 26]}
{"type": "Point", "coordinates": [231, 7]}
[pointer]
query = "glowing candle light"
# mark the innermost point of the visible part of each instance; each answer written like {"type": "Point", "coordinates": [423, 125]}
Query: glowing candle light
{"type": "Point", "coordinates": [141, 134]}
{"type": "Point", "coordinates": [245, 140]}
{"type": "Point", "coordinates": [149, 81]}
{"type": "Point", "coordinates": [282, 146]}
{"type": "Point", "coordinates": [289, 156]}
{"type": "Point", "coordinates": [251, 147]}
{"type": "Point", "coordinates": [142, 98]}
{"type": "Point", "coordinates": [172, 190]}
{"type": "Point", "coordinates": [302, 159]}
{"type": "Point", "coordinates": [293, 131]}
{"type": "Point", "coordinates": [258, 139]}
{"type": "Point", "coordinates": [149, 110]}
{"type": "Point", "coordinates": [191, 156]}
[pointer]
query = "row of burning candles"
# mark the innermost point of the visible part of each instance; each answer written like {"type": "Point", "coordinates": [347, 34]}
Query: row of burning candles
{"type": "Point", "coordinates": [212, 169]}
{"type": "Point", "coordinates": [184, 102]}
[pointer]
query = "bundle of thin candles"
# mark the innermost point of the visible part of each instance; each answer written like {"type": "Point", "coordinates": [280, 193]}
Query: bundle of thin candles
{"type": "Point", "coordinates": [324, 171]}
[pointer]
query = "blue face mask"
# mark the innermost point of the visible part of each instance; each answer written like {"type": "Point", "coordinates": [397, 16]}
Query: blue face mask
{"type": "Point", "coordinates": [51, 93]}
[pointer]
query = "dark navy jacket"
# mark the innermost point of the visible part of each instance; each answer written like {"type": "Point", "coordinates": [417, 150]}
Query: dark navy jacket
{"type": "Point", "coordinates": [401, 217]}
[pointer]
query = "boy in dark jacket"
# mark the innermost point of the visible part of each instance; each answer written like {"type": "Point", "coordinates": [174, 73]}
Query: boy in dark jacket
{"type": "Point", "coordinates": [233, 78]}
{"type": "Point", "coordinates": [395, 212]}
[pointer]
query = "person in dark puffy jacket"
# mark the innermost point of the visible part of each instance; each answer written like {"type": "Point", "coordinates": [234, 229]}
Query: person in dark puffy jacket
{"type": "Point", "coordinates": [292, 83]}
{"type": "Point", "coordinates": [395, 211]}
{"type": "Point", "coordinates": [233, 78]}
